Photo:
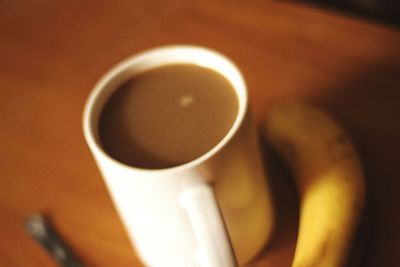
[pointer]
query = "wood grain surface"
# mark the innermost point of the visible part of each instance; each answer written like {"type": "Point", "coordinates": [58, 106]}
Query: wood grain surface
{"type": "Point", "coordinates": [52, 53]}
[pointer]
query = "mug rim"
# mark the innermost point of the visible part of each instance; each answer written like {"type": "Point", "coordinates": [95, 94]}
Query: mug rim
{"type": "Point", "coordinates": [92, 103]}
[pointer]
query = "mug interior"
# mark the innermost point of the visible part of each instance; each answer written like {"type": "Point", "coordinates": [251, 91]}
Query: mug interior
{"type": "Point", "coordinates": [155, 58]}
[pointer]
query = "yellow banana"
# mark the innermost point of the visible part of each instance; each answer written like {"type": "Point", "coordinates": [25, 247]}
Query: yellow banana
{"type": "Point", "coordinates": [329, 179]}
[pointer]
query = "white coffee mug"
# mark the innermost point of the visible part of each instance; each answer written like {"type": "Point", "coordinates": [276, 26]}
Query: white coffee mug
{"type": "Point", "coordinates": [214, 211]}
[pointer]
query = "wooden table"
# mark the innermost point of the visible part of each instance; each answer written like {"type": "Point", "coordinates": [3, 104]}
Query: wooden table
{"type": "Point", "coordinates": [52, 53]}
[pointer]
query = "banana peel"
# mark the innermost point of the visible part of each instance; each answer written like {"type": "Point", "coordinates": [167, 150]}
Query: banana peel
{"type": "Point", "coordinates": [329, 178]}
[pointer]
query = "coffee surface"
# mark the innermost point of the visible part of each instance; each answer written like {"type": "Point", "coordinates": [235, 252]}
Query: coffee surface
{"type": "Point", "coordinates": [167, 116]}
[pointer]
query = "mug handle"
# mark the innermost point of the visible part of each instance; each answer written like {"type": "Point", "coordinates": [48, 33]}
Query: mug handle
{"type": "Point", "coordinates": [201, 206]}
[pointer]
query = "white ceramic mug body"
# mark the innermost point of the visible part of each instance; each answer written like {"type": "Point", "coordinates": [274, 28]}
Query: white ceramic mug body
{"type": "Point", "coordinates": [156, 205]}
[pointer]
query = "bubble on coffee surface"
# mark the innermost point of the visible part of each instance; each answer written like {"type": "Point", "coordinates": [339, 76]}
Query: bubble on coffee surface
{"type": "Point", "coordinates": [186, 100]}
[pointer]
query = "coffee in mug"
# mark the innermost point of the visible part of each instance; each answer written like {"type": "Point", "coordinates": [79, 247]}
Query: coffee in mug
{"type": "Point", "coordinates": [167, 116]}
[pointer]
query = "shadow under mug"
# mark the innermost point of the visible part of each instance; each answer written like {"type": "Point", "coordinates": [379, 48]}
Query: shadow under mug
{"type": "Point", "coordinates": [214, 211]}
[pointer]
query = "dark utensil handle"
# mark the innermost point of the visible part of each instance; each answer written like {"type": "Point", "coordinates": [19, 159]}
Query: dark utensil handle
{"type": "Point", "coordinates": [41, 230]}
